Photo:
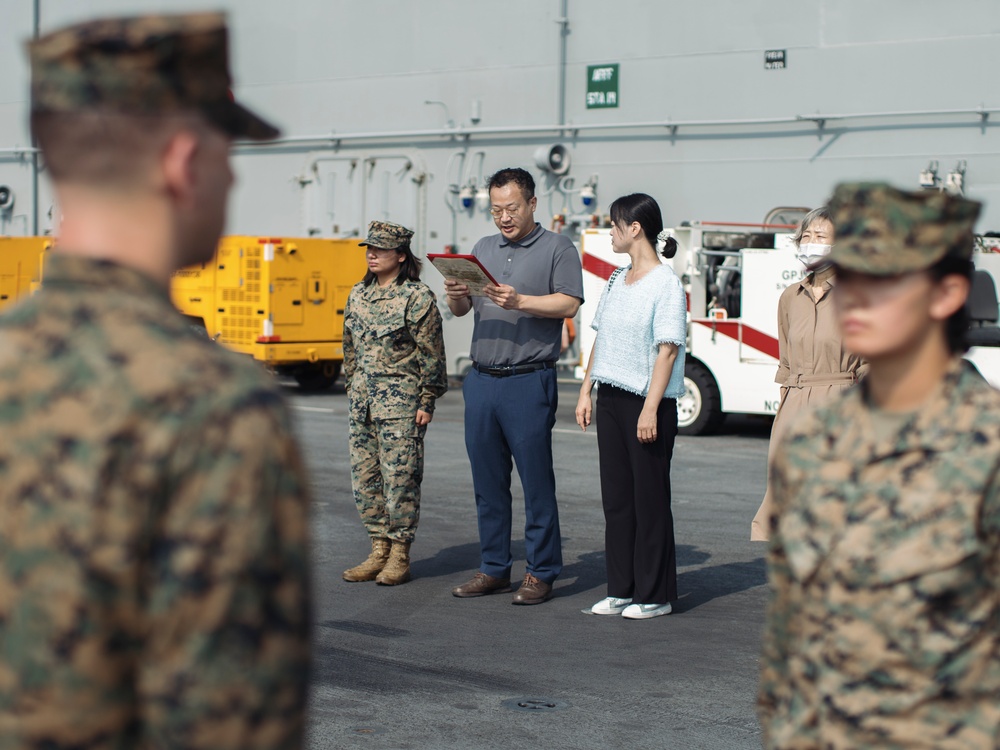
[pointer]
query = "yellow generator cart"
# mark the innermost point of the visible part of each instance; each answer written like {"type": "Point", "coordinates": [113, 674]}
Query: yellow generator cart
{"type": "Point", "coordinates": [279, 300]}
{"type": "Point", "coordinates": [21, 262]}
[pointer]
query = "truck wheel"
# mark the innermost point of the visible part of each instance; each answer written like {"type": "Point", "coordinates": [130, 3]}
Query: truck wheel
{"type": "Point", "coordinates": [699, 409]}
{"type": "Point", "coordinates": [197, 325]}
{"type": "Point", "coordinates": [318, 378]}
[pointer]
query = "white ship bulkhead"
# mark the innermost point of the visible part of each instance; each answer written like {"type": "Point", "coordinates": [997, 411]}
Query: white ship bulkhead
{"type": "Point", "coordinates": [722, 110]}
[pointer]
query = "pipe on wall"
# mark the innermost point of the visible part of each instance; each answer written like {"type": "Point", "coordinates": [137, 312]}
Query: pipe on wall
{"type": "Point", "coordinates": [563, 22]}
{"type": "Point", "coordinates": [35, 165]}
{"type": "Point", "coordinates": [818, 121]}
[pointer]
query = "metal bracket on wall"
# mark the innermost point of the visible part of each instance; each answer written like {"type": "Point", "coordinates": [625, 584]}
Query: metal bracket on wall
{"type": "Point", "coordinates": [818, 119]}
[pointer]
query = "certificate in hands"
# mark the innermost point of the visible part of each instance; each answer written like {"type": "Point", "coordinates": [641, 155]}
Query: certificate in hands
{"type": "Point", "coordinates": [464, 268]}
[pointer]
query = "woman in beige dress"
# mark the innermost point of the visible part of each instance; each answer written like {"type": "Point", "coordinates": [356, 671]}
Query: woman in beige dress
{"type": "Point", "coordinates": [813, 363]}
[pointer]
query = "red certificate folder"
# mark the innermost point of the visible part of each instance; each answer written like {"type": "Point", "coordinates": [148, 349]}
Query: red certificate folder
{"type": "Point", "coordinates": [464, 268]}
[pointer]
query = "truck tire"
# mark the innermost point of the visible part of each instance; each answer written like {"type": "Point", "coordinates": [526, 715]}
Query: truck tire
{"type": "Point", "coordinates": [699, 409]}
{"type": "Point", "coordinates": [197, 325]}
{"type": "Point", "coordinates": [319, 377]}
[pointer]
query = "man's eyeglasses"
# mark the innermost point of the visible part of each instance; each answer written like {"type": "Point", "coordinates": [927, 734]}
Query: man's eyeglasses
{"type": "Point", "coordinates": [511, 211]}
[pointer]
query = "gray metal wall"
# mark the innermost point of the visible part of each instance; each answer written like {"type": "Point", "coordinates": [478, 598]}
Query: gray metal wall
{"type": "Point", "coordinates": [354, 67]}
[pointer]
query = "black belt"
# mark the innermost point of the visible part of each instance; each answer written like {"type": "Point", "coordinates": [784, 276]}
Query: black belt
{"type": "Point", "coordinates": [503, 371]}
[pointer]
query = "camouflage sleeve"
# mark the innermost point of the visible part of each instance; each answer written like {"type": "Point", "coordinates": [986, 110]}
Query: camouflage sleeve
{"type": "Point", "coordinates": [424, 321]}
{"type": "Point", "coordinates": [989, 514]}
{"type": "Point", "coordinates": [225, 662]}
{"type": "Point", "coordinates": [350, 357]}
{"type": "Point", "coordinates": [772, 698]}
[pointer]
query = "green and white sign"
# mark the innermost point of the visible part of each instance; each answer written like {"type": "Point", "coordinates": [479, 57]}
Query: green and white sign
{"type": "Point", "coordinates": [602, 86]}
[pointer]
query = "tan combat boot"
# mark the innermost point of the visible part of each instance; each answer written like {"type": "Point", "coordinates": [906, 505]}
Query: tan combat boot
{"type": "Point", "coordinates": [370, 568]}
{"type": "Point", "coordinates": [397, 570]}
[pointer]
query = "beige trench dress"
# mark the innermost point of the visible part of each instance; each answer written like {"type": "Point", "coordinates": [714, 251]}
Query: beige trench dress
{"type": "Point", "coordinates": [812, 366]}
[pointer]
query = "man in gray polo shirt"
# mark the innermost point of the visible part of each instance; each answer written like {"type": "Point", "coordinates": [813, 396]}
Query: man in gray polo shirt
{"type": "Point", "coordinates": [510, 394]}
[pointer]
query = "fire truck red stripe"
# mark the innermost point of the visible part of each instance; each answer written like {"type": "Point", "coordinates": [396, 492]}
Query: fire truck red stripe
{"type": "Point", "coordinates": [598, 267]}
{"type": "Point", "coordinates": [742, 332]}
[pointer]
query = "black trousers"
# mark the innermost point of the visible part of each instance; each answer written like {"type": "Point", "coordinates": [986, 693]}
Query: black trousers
{"type": "Point", "coordinates": [635, 489]}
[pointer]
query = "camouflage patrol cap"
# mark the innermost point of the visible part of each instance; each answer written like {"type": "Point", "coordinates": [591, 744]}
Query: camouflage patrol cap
{"type": "Point", "coordinates": [882, 231]}
{"type": "Point", "coordinates": [387, 235]}
{"type": "Point", "coordinates": [144, 65]}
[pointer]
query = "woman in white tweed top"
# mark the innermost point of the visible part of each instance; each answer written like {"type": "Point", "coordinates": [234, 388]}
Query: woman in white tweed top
{"type": "Point", "coordinates": [638, 362]}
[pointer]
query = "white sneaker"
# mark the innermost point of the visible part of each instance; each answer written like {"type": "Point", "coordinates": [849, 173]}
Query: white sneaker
{"type": "Point", "coordinates": [610, 606]}
{"type": "Point", "coordinates": [645, 611]}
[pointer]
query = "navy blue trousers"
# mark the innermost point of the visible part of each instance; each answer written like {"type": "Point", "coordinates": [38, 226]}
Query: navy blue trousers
{"type": "Point", "coordinates": [635, 490]}
{"type": "Point", "coordinates": [512, 418]}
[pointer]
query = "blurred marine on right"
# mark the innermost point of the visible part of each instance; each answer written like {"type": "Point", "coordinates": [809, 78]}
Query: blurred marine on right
{"type": "Point", "coordinates": [883, 626]}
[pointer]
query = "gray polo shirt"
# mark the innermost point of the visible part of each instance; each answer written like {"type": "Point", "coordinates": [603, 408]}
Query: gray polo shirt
{"type": "Point", "coordinates": [541, 263]}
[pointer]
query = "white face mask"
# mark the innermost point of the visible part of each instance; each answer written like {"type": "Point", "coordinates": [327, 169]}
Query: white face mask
{"type": "Point", "coordinates": [812, 253]}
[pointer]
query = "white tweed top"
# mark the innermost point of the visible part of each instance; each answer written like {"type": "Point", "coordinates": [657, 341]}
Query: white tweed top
{"type": "Point", "coordinates": [631, 321]}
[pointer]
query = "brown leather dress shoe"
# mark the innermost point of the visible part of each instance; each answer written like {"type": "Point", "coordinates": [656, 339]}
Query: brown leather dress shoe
{"type": "Point", "coordinates": [532, 591]}
{"type": "Point", "coordinates": [481, 585]}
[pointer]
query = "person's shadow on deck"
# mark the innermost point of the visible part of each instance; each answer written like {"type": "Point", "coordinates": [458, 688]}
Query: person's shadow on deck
{"type": "Point", "coordinates": [696, 587]}
{"type": "Point", "coordinates": [702, 585]}
{"type": "Point", "coordinates": [587, 572]}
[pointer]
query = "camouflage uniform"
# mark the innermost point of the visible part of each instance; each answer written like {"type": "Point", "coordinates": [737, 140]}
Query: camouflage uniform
{"type": "Point", "coordinates": [153, 562]}
{"type": "Point", "coordinates": [883, 628]}
{"type": "Point", "coordinates": [153, 543]}
{"type": "Point", "coordinates": [394, 364]}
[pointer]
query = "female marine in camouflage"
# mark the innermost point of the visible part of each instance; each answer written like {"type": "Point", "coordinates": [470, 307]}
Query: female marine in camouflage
{"type": "Point", "coordinates": [882, 630]}
{"type": "Point", "coordinates": [395, 369]}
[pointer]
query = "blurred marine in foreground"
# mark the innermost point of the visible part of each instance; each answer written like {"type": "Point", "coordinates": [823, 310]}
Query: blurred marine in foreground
{"type": "Point", "coordinates": [882, 629]}
{"type": "Point", "coordinates": [153, 551]}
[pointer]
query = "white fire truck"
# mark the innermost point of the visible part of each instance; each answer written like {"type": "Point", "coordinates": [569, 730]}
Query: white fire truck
{"type": "Point", "coordinates": [733, 275]}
